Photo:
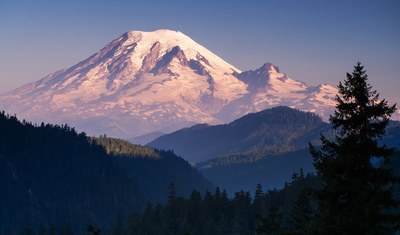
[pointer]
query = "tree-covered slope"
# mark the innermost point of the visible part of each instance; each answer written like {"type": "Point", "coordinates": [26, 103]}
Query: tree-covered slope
{"type": "Point", "coordinates": [155, 170]}
{"type": "Point", "coordinates": [272, 171]}
{"type": "Point", "coordinates": [278, 129]}
{"type": "Point", "coordinates": [51, 175]}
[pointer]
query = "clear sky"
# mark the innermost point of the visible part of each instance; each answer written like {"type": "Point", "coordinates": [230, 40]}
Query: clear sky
{"type": "Point", "coordinates": [312, 41]}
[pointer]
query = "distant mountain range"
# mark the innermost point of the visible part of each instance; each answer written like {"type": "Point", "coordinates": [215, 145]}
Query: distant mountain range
{"type": "Point", "coordinates": [275, 130]}
{"type": "Point", "coordinates": [159, 81]}
{"type": "Point", "coordinates": [266, 147]}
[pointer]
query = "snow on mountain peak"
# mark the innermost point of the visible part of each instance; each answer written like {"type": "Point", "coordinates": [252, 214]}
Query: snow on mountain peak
{"type": "Point", "coordinates": [270, 68]}
{"type": "Point", "coordinates": [169, 39]}
{"type": "Point", "coordinates": [163, 80]}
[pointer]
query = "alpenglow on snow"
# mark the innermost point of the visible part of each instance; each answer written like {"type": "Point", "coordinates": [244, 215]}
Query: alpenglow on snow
{"type": "Point", "coordinates": [144, 82]}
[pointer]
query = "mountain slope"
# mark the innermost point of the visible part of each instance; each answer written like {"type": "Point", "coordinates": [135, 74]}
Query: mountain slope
{"type": "Point", "coordinates": [158, 81]}
{"type": "Point", "coordinates": [154, 170]}
{"type": "Point", "coordinates": [51, 175]}
{"type": "Point", "coordinates": [238, 172]}
{"type": "Point", "coordinates": [265, 147]}
{"type": "Point", "coordinates": [270, 171]}
{"type": "Point", "coordinates": [272, 130]}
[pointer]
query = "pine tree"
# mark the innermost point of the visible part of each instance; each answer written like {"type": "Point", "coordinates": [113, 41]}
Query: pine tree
{"type": "Point", "coordinates": [356, 197]}
{"type": "Point", "coordinates": [301, 214]}
{"type": "Point", "coordinates": [174, 211]}
{"type": "Point", "coordinates": [271, 224]}
{"type": "Point", "coordinates": [258, 202]}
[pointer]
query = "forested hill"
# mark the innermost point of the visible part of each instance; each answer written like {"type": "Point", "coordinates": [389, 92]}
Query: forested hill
{"type": "Point", "coordinates": [154, 169]}
{"type": "Point", "coordinates": [52, 175]}
{"type": "Point", "coordinates": [123, 148]}
{"type": "Point", "coordinates": [277, 129]}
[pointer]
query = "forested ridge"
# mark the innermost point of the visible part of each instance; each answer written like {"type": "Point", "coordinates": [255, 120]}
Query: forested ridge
{"type": "Point", "coordinates": [123, 148]}
{"type": "Point", "coordinates": [154, 169]}
{"type": "Point", "coordinates": [247, 139]}
{"type": "Point", "coordinates": [52, 175]}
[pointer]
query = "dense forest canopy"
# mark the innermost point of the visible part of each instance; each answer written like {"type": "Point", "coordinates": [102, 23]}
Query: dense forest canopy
{"type": "Point", "coordinates": [52, 175]}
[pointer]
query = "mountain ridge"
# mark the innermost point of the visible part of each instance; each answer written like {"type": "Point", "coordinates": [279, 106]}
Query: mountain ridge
{"type": "Point", "coordinates": [270, 131]}
{"type": "Point", "coordinates": [158, 81]}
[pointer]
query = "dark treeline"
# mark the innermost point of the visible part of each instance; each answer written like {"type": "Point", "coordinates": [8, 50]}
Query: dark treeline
{"type": "Point", "coordinates": [215, 213]}
{"type": "Point", "coordinates": [52, 175]}
{"type": "Point", "coordinates": [154, 169]}
{"type": "Point", "coordinates": [283, 210]}
{"type": "Point", "coordinates": [287, 211]}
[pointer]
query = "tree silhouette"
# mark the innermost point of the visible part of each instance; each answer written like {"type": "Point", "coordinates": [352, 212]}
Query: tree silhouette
{"type": "Point", "coordinates": [272, 222]}
{"type": "Point", "coordinates": [356, 196]}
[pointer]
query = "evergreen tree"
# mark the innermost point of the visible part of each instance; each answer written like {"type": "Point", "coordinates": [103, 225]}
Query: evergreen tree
{"type": "Point", "coordinates": [174, 211]}
{"type": "Point", "coordinates": [271, 224]}
{"type": "Point", "coordinates": [194, 220]}
{"type": "Point", "coordinates": [356, 197]}
{"type": "Point", "coordinates": [258, 202]}
{"type": "Point", "coordinates": [242, 208]}
{"type": "Point", "coordinates": [301, 214]}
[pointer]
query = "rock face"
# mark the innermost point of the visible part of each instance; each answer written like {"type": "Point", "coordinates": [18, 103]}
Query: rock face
{"type": "Point", "coordinates": [158, 81]}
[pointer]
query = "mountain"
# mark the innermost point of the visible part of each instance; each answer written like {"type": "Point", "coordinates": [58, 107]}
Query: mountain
{"type": "Point", "coordinates": [146, 138]}
{"type": "Point", "coordinates": [154, 170]}
{"type": "Point", "coordinates": [159, 81]}
{"type": "Point", "coordinates": [50, 175]}
{"type": "Point", "coordinates": [266, 147]}
{"type": "Point", "coordinates": [235, 172]}
{"type": "Point", "coordinates": [271, 171]}
{"type": "Point", "coordinates": [279, 129]}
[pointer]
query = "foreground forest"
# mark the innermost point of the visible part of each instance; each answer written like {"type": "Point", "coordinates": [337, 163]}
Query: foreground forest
{"type": "Point", "coordinates": [52, 175]}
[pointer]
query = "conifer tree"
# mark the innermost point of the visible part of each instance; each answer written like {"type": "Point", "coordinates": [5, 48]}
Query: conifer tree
{"type": "Point", "coordinates": [258, 203]}
{"type": "Point", "coordinates": [356, 196]}
{"type": "Point", "coordinates": [271, 224]}
{"type": "Point", "coordinates": [301, 214]}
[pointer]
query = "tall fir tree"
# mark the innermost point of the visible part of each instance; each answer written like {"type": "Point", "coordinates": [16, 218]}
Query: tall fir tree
{"type": "Point", "coordinates": [356, 196]}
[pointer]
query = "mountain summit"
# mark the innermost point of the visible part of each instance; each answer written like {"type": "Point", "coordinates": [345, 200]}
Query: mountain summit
{"type": "Point", "coordinates": [158, 81]}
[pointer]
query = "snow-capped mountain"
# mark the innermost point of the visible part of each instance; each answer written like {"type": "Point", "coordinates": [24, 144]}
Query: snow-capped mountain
{"type": "Point", "coordinates": [144, 82]}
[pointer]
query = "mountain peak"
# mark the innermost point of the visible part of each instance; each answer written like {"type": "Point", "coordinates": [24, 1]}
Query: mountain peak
{"type": "Point", "coordinates": [160, 33]}
{"type": "Point", "coordinates": [161, 81]}
{"type": "Point", "coordinates": [262, 75]}
{"type": "Point", "coordinates": [269, 68]}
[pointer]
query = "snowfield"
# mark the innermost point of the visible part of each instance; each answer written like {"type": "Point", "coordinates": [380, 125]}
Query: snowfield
{"type": "Point", "coordinates": [159, 81]}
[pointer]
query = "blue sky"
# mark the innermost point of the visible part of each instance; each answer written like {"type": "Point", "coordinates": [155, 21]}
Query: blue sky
{"type": "Point", "coordinates": [312, 41]}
